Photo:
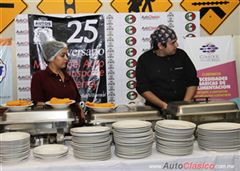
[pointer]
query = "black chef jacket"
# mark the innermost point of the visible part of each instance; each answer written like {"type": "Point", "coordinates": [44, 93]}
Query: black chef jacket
{"type": "Point", "coordinates": [167, 77]}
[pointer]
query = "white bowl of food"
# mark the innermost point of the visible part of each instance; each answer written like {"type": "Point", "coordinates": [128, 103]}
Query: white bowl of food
{"type": "Point", "coordinates": [18, 105]}
{"type": "Point", "coordinates": [101, 107]}
{"type": "Point", "coordinates": [60, 103]}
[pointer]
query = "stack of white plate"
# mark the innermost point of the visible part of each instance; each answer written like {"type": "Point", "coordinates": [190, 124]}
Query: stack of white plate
{"type": "Point", "coordinates": [133, 139]}
{"type": "Point", "coordinates": [50, 151]}
{"type": "Point", "coordinates": [91, 143]}
{"type": "Point", "coordinates": [174, 137]}
{"type": "Point", "coordinates": [219, 136]}
{"type": "Point", "coordinates": [14, 146]}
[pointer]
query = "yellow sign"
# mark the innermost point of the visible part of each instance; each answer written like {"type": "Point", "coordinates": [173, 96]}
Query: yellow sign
{"type": "Point", "coordinates": [141, 5]}
{"type": "Point", "coordinates": [9, 10]}
{"type": "Point", "coordinates": [69, 6]}
{"type": "Point", "coordinates": [213, 13]}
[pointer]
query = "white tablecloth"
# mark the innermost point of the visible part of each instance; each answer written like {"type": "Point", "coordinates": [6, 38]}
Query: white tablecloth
{"type": "Point", "coordinates": [223, 161]}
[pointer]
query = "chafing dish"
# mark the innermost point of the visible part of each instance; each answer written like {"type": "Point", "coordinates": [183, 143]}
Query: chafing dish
{"type": "Point", "coordinates": [45, 125]}
{"type": "Point", "coordinates": [201, 112]}
{"type": "Point", "coordinates": [124, 113]}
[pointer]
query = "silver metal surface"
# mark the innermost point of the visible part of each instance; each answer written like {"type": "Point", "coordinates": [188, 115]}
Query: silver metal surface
{"type": "Point", "coordinates": [137, 112]}
{"type": "Point", "coordinates": [38, 116]}
{"type": "Point", "coordinates": [202, 108]}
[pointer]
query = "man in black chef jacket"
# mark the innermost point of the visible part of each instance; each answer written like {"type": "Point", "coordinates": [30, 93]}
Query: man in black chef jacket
{"type": "Point", "coordinates": [165, 73]}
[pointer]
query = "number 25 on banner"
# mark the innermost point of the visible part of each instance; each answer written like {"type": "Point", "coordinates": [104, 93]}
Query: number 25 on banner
{"type": "Point", "coordinates": [89, 31]}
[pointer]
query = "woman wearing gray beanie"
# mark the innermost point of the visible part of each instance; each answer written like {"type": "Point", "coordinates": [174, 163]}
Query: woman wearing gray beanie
{"type": "Point", "coordinates": [54, 81]}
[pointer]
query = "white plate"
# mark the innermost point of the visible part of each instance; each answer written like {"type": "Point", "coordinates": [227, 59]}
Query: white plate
{"type": "Point", "coordinates": [219, 126]}
{"type": "Point", "coordinates": [14, 136]}
{"type": "Point", "coordinates": [176, 124]}
{"type": "Point", "coordinates": [51, 150]}
{"type": "Point", "coordinates": [60, 106]}
{"type": "Point", "coordinates": [101, 109]}
{"type": "Point", "coordinates": [90, 129]}
{"type": "Point", "coordinates": [131, 124]}
{"type": "Point", "coordinates": [17, 108]}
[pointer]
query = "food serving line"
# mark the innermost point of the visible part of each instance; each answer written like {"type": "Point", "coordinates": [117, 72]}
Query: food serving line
{"type": "Point", "coordinates": [50, 126]}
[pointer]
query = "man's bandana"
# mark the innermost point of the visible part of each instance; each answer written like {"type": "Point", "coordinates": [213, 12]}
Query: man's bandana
{"type": "Point", "coordinates": [162, 34]}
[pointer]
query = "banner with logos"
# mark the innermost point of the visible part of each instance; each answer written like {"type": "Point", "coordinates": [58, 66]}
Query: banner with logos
{"type": "Point", "coordinates": [216, 66]}
{"type": "Point", "coordinates": [6, 91]}
{"type": "Point", "coordinates": [103, 48]}
{"type": "Point", "coordinates": [86, 50]}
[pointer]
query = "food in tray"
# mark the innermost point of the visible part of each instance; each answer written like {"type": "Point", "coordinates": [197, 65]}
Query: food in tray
{"type": "Point", "coordinates": [18, 103]}
{"type": "Point", "coordinates": [103, 105]}
{"type": "Point", "coordinates": [55, 100]}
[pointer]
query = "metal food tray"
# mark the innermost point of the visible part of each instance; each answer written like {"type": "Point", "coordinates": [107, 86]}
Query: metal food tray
{"type": "Point", "coordinates": [202, 108]}
{"type": "Point", "coordinates": [30, 116]}
{"type": "Point", "coordinates": [139, 113]}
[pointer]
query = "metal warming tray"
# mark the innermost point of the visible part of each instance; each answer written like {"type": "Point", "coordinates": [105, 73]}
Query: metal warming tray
{"type": "Point", "coordinates": [45, 125]}
{"type": "Point", "coordinates": [137, 112]}
{"type": "Point", "coordinates": [37, 116]}
{"type": "Point", "coordinates": [200, 112]}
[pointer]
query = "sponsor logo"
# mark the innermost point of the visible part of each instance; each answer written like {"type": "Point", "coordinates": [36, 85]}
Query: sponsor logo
{"type": "Point", "coordinates": [149, 28]}
{"type": "Point", "coordinates": [22, 32]}
{"type": "Point", "coordinates": [111, 72]}
{"type": "Point", "coordinates": [170, 14]}
{"type": "Point", "coordinates": [3, 70]}
{"type": "Point", "coordinates": [209, 48]}
{"type": "Point", "coordinates": [110, 39]}
{"type": "Point", "coordinates": [110, 50]}
{"type": "Point", "coordinates": [23, 66]}
{"type": "Point", "coordinates": [131, 41]}
{"type": "Point", "coordinates": [131, 52]}
{"type": "Point", "coordinates": [190, 27]}
{"type": "Point", "coordinates": [22, 43]}
{"type": "Point", "coordinates": [131, 73]}
{"type": "Point", "coordinates": [190, 35]}
{"type": "Point", "coordinates": [131, 84]}
{"type": "Point", "coordinates": [23, 55]}
{"type": "Point", "coordinates": [150, 17]}
{"type": "Point", "coordinates": [132, 95]}
{"type": "Point", "coordinates": [130, 19]}
{"type": "Point", "coordinates": [146, 39]}
{"type": "Point", "coordinates": [21, 21]}
{"type": "Point", "coordinates": [111, 83]}
{"type": "Point", "coordinates": [131, 63]}
{"type": "Point", "coordinates": [110, 28]}
{"type": "Point", "coordinates": [42, 22]}
{"type": "Point", "coordinates": [109, 17]}
{"type": "Point", "coordinates": [130, 30]}
{"type": "Point", "coordinates": [190, 16]}
{"type": "Point", "coordinates": [110, 61]}
{"type": "Point", "coordinates": [24, 89]}
{"type": "Point", "coordinates": [25, 77]}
